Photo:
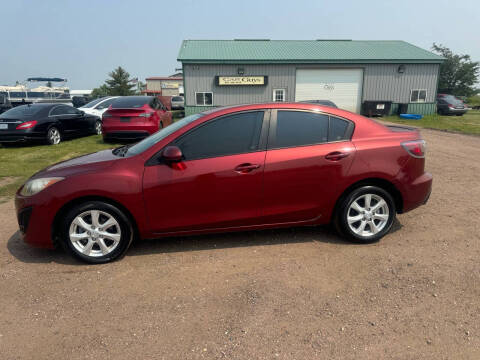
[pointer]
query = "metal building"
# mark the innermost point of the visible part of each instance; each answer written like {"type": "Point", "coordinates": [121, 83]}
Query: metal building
{"type": "Point", "coordinates": [228, 72]}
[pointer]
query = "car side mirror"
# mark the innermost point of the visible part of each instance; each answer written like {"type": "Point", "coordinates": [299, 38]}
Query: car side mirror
{"type": "Point", "coordinates": [172, 154]}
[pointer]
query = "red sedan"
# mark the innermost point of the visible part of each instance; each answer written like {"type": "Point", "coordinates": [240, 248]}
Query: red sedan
{"type": "Point", "coordinates": [134, 118]}
{"type": "Point", "coordinates": [229, 169]}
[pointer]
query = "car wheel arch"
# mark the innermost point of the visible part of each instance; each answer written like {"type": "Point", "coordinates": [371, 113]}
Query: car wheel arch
{"type": "Point", "coordinates": [84, 199]}
{"type": "Point", "coordinates": [379, 182]}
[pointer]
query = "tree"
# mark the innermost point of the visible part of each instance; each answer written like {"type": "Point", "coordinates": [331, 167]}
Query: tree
{"type": "Point", "coordinates": [49, 84]}
{"type": "Point", "coordinates": [101, 91]}
{"type": "Point", "coordinates": [458, 73]}
{"type": "Point", "coordinates": [119, 84]}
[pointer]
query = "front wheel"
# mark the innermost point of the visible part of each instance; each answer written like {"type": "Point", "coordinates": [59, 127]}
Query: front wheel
{"type": "Point", "coordinates": [53, 136]}
{"type": "Point", "coordinates": [96, 232]}
{"type": "Point", "coordinates": [366, 214]}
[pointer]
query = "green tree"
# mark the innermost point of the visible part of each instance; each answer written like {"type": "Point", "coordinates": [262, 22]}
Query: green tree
{"type": "Point", "coordinates": [458, 73]}
{"type": "Point", "coordinates": [101, 91]}
{"type": "Point", "coordinates": [49, 84]}
{"type": "Point", "coordinates": [119, 83]}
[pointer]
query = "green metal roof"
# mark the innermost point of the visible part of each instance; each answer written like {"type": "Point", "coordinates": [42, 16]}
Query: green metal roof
{"type": "Point", "coordinates": [304, 51]}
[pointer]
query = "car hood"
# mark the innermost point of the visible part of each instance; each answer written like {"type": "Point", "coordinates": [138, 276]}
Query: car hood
{"type": "Point", "coordinates": [90, 162]}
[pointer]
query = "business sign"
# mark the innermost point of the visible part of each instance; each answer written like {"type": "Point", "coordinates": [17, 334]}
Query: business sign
{"type": "Point", "coordinates": [170, 85]}
{"type": "Point", "coordinates": [241, 80]}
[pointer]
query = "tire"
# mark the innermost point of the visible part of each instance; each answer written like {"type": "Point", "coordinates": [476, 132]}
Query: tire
{"type": "Point", "coordinates": [54, 137]}
{"type": "Point", "coordinates": [97, 129]}
{"type": "Point", "coordinates": [87, 243]}
{"type": "Point", "coordinates": [351, 208]}
{"type": "Point", "coordinates": [459, 114]}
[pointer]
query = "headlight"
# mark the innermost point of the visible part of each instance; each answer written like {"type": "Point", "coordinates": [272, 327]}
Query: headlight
{"type": "Point", "coordinates": [34, 186]}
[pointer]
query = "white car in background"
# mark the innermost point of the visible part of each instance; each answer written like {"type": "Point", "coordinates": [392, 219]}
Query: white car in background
{"type": "Point", "coordinates": [98, 106]}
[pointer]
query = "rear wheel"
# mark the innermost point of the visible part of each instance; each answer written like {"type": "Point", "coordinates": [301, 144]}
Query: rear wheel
{"type": "Point", "coordinates": [366, 214]}
{"type": "Point", "coordinates": [96, 232]}
{"type": "Point", "coordinates": [53, 136]}
{"type": "Point", "coordinates": [98, 127]}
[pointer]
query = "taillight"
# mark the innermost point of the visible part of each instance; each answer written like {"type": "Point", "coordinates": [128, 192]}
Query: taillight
{"type": "Point", "coordinates": [26, 125]}
{"type": "Point", "coordinates": [146, 114]}
{"type": "Point", "coordinates": [415, 148]}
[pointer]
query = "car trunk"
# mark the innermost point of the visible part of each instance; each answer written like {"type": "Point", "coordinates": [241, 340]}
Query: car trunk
{"type": "Point", "coordinates": [126, 117]}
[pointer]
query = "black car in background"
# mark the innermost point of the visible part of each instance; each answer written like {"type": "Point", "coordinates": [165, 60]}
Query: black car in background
{"type": "Point", "coordinates": [321, 102]}
{"type": "Point", "coordinates": [450, 105]}
{"type": "Point", "coordinates": [4, 103]}
{"type": "Point", "coordinates": [46, 122]}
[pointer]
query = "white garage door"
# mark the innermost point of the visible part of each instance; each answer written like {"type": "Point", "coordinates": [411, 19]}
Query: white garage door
{"type": "Point", "coordinates": [342, 86]}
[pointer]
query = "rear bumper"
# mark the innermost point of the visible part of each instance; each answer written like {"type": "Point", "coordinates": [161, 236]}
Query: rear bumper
{"type": "Point", "coordinates": [417, 192]}
{"type": "Point", "coordinates": [125, 135]}
{"type": "Point", "coordinates": [19, 136]}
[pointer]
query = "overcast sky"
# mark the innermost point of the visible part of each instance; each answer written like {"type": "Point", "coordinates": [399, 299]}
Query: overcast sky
{"type": "Point", "coordinates": [84, 40]}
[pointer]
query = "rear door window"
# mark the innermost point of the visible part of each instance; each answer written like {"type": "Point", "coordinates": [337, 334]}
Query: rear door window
{"type": "Point", "coordinates": [228, 135]}
{"type": "Point", "coordinates": [338, 129]}
{"type": "Point", "coordinates": [300, 128]}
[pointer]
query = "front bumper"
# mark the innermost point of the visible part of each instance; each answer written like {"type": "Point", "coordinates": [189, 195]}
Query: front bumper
{"type": "Point", "coordinates": [35, 220]}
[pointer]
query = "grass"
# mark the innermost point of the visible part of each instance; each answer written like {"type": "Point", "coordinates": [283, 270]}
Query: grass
{"type": "Point", "coordinates": [466, 124]}
{"type": "Point", "coordinates": [20, 162]}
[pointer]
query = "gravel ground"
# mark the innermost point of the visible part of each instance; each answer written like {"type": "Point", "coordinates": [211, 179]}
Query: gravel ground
{"type": "Point", "coordinates": [285, 294]}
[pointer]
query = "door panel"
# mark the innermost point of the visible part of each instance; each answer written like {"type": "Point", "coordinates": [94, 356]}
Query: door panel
{"type": "Point", "coordinates": [301, 184]}
{"type": "Point", "coordinates": [204, 193]}
{"type": "Point", "coordinates": [219, 183]}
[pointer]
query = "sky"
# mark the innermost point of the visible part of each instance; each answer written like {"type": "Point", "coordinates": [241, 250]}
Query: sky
{"type": "Point", "coordinates": [84, 40]}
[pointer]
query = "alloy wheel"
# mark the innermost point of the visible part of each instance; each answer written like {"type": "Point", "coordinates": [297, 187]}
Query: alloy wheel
{"type": "Point", "coordinates": [54, 136]}
{"type": "Point", "coordinates": [367, 215]}
{"type": "Point", "coordinates": [95, 233]}
{"type": "Point", "coordinates": [98, 128]}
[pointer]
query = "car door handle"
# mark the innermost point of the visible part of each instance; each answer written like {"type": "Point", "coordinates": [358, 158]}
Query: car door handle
{"type": "Point", "coordinates": [245, 168]}
{"type": "Point", "coordinates": [336, 155]}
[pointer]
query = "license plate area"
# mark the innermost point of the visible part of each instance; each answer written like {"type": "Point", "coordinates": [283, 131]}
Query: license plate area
{"type": "Point", "coordinates": [3, 126]}
{"type": "Point", "coordinates": [125, 119]}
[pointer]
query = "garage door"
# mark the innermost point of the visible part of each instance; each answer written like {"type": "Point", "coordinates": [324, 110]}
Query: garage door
{"type": "Point", "coordinates": [342, 86]}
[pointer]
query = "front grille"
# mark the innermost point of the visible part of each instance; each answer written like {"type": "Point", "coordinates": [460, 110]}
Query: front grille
{"type": "Point", "coordinates": [24, 219]}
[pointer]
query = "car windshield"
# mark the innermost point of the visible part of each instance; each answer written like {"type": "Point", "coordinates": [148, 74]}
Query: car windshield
{"type": "Point", "coordinates": [160, 135]}
{"type": "Point", "coordinates": [91, 104]}
{"type": "Point", "coordinates": [177, 98]}
{"type": "Point", "coordinates": [452, 100]}
{"type": "Point", "coordinates": [20, 112]}
{"type": "Point", "coordinates": [126, 102]}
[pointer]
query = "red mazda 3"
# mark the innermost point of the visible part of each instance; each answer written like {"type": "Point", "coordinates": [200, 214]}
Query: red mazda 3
{"type": "Point", "coordinates": [229, 169]}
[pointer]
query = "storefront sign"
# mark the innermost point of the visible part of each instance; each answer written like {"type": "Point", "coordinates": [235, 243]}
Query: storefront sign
{"type": "Point", "coordinates": [241, 80]}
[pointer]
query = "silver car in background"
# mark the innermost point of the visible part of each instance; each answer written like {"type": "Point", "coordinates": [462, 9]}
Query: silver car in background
{"type": "Point", "coordinates": [178, 102]}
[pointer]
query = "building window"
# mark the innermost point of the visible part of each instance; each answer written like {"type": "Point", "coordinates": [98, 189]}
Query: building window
{"type": "Point", "coordinates": [418, 96]}
{"type": "Point", "coordinates": [279, 95]}
{"type": "Point", "coordinates": [204, 98]}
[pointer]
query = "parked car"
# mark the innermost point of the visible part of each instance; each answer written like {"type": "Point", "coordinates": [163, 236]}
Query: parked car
{"type": "Point", "coordinates": [98, 106]}
{"type": "Point", "coordinates": [79, 101]}
{"type": "Point", "coordinates": [229, 169]}
{"type": "Point", "coordinates": [320, 102]}
{"type": "Point", "coordinates": [178, 103]}
{"type": "Point", "coordinates": [4, 103]}
{"type": "Point", "coordinates": [134, 118]}
{"type": "Point", "coordinates": [450, 105]}
{"type": "Point", "coordinates": [46, 122]}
